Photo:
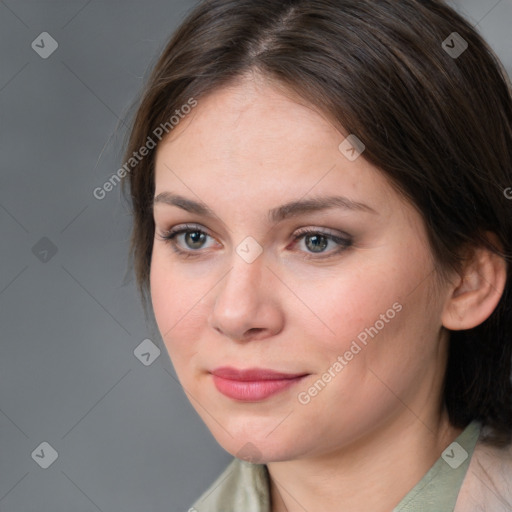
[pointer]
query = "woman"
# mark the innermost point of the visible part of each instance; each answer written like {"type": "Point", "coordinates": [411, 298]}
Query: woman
{"type": "Point", "coordinates": [325, 232]}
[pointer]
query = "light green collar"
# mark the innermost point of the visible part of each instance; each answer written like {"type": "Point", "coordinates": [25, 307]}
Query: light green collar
{"type": "Point", "coordinates": [245, 487]}
{"type": "Point", "coordinates": [438, 490]}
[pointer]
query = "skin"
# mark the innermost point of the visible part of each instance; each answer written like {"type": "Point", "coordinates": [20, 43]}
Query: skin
{"type": "Point", "coordinates": [244, 150]}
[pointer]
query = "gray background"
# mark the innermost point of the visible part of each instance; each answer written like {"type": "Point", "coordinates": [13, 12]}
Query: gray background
{"type": "Point", "coordinates": [126, 436]}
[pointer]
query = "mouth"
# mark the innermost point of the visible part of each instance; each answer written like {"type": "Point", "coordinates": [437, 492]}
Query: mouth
{"type": "Point", "coordinates": [254, 384]}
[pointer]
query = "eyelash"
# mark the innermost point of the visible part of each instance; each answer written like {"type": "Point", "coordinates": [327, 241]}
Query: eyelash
{"type": "Point", "coordinates": [169, 236]}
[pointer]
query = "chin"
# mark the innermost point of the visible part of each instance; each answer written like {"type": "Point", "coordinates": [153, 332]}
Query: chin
{"type": "Point", "coordinates": [259, 448]}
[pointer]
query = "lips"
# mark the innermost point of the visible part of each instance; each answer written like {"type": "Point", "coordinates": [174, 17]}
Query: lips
{"type": "Point", "coordinates": [253, 384]}
{"type": "Point", "coordinates": [253, 374]}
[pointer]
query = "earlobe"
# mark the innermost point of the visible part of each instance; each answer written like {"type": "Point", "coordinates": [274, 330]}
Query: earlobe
{"type": "Point", "coordinates": [477, 293]}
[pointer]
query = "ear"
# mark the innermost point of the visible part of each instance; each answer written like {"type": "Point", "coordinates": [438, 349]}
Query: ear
{"type": "Point", "coordinates": [478, 290]}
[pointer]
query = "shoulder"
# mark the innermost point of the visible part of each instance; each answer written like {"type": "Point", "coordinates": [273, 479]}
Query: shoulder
{"type": "Point", "coordinates": [488, 481]}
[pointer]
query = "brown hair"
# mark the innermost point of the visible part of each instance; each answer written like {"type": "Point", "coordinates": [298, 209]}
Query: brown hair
{"type": "Point", "coordinates": [438, 126]}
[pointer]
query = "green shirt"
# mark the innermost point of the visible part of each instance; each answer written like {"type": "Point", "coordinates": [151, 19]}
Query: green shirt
{"type": "Point", "coordinates": [245, 487]}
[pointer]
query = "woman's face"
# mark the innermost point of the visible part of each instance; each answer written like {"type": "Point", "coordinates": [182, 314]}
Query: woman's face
{"type": "Point", "coordinates": [346, 306]}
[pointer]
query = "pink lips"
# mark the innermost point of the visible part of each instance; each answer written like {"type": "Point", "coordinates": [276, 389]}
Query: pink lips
{"type": "Point", "coordinates": [252, 384]}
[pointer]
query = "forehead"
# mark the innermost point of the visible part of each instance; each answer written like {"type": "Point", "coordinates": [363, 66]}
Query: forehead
{"type": "Point", "coordinates": [255, 138]}
{"type": "Point", "coordinates": [253, 121]}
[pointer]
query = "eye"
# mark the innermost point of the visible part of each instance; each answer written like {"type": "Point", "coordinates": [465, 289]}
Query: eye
{"type": "Point", "coordinates": [193, 239]}
{"type": "Point", "coordinates": [316, 241]}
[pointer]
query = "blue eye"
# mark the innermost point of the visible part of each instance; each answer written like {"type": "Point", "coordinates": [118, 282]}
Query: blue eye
{"type": "Point", "coordinates": [319, 240]}
{"type": "Point", "coordinates": [315, 240]}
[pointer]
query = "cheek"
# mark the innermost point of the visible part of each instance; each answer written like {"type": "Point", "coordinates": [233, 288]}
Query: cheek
{"type": "Point", "coordinates": [176, 300]}
{"type": "Point", "coordinates": [371, 359]}
{"type": "Point", "coordinates": [161, 283]}
{"type": "Point", "coordinates": [379, 306]}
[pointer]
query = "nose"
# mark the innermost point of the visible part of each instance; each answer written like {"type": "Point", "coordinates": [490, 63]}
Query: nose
{"type": "Point", "coordinates": [246, 305]}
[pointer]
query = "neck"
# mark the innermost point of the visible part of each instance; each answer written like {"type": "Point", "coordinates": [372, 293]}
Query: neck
{"type": "Point", "coordinates": [374, 473]}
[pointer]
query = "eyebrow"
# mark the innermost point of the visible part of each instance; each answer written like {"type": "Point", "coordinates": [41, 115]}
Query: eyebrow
{"type": "Point", "coordinates": [290, 209]}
